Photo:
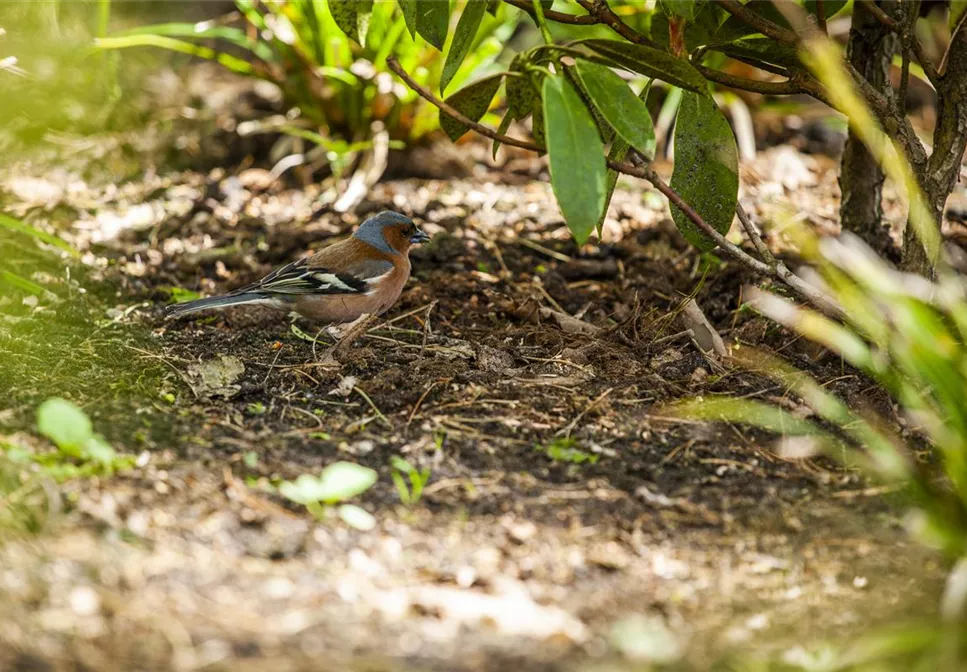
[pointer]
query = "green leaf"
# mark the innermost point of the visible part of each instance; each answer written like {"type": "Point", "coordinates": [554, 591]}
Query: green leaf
{"type": "Point", "coordinates": [64, 423]}
{"type": "Point", "coordinates": [520, 91]}
{"type": "Point", "coordinates": [619, 150]}
{"type": "Point", "coordinates": [706, 171]}
{"type": "Point", "coordinates": [622, 109]}
{"type": "Point", "coordinates": [502, 129]}
{"type": "Point", "coordinates": [432, 21]}
{"type": "Point", "coordinates": [408, 7]}
{"type": "Point", "coordinates": [337, 482]}
{"type": "Point", "coordinates": [761, 49]}
{"type": "Point", "coordinates": [697, 33]}
{"type": "Point", "coordinates": [344, 14]}
{"type": "Point", "coordinates": [11, 224]}
{"type": "Point", "coordinates": [233, 63]}
{"type": "Point", "coordinates": [357, 517]}
{"type": "Point", "coordinates": [205, 29]}
{"type": "Point", "coordinates": [472, 101]}
{"type": "Point", "coordinates": [682, 8]}
{"type": "Point", "coordinates": [578, 170]}
{"type": "Point", "coordinates": [958, 16]}
{"type": "Point", "coordinates": [538, 124]}
{"type": "Point", "coordinates": [21, 283]}
{"type": "Point", "coordinates": [462, 39]}
{"type": "Point", "coordinates": [98, 450]}
{"type": "Point", "coordinates": [345, 480]}
{"type": "Point", "coordinates": [651, 62]}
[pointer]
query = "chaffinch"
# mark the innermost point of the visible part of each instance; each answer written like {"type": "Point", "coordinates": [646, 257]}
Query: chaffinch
{"type": "Point", "coordinates": [362, 275]}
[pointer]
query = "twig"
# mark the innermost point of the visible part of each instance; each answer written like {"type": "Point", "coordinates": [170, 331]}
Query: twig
{"type": "Point", "coordinates": [760, 23]}
{"type": "Point", "coordinates": [419, 402]}
{"type": "Point", "coordinates": [551, 15]}
{"type": "Point", "coordinates": [379, 413]}
{"type": "Point", "coordinates": [395, 66]}
{"type": "Point", "coordinates": [791, 85]}
{"type": "Point", "coordinates": [265, 382]}
{"type": "Point", "coordinates": [537, 247]}
{"type": "Point", "coordinates": [642, 171]}
{"type": "Point", "coordinates": [821, 16]}
{"type": "Point", "coordinates": [570, 427]}
{"type": "Point", "coordinates": [426, 329]}
{"type": "Point", "coordinates": [753, 235]}
{"type": "Point", "coordinates": [604, 15]}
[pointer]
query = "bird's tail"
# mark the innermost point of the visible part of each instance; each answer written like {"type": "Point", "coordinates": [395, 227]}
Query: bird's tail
{"type": "Point", "coordinates": [213, 302]}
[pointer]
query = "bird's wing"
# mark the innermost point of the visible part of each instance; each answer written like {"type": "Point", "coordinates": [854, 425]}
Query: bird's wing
{"type": "Point", "coordinates": [306, 277]}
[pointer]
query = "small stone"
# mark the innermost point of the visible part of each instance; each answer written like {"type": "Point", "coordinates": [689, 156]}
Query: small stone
{"type": "Point", "coordinates": [85, 601]}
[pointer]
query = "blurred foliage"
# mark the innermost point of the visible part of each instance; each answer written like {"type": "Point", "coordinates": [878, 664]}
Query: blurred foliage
{"type": "Point", "coordinates": [52, 80]}
{"type": "Point", "coordinates": [908, 334]}
{"type": "Point", "coordinates": [334, 81]}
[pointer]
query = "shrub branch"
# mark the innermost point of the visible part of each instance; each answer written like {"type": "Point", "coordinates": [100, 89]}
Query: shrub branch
{"type": "Point", "coordinates": [771, 267]}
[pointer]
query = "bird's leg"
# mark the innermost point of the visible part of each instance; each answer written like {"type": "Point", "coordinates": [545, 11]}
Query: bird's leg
{"type": "Point", "coordinates": [345, 335]}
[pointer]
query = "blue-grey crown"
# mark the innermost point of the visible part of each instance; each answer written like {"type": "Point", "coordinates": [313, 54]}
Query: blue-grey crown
{"type": "Point", "coordinates": [371, 231]}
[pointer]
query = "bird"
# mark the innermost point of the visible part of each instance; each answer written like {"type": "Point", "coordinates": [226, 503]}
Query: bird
{"type": "Point", "coordinates": [362, 275]}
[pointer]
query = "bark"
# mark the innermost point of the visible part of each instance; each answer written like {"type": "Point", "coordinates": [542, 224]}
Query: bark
{"type": "Point", "coordinates": [942, 170]}
{"type": "Point", "coordinates": [870, 50]}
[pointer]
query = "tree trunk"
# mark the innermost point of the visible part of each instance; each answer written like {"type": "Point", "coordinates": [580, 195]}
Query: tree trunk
{"type": "Point", "coordinates": [942, 170]}
{"type": "Point", "coordinates": [870, 50]}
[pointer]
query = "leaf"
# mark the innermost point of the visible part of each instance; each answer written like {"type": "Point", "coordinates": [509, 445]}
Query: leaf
{"type": "Point", "coordinates": [538, 124]}
{"type": "Point", "coordinates": [344, 14]}
{"type": "Point", "coordinates": [98, 450]}
{"type": "Point", "coordinates": [622, 109]}
{"type": "Point", "coordinates": [958, 15]}
{"type": "Point", "coordinates": [520, 91]}
{"type": "Point", "coordinates": [233, 63]}
{"type": "Point", "coordinates": [21, 283]}
{"type": "Point", "coordinates": [502, 129]}
{"type": "Point", "coordinates": [205, 29]}
{"type": "Point", "coordinates": [651, 62]}
{"type": "Point", "coordinates": [681, 8]}
{"type": "Point", "coordinates": [697, 33]}
{"type": "Point", "coordinates": [462, 39]}
{"type": "Point", "coordinates": [706, 171]}
{"type": "Point", "coordinates": [11, 224]}
{"type": "Point", "coordinates": [762, 49]}
{"type": "Point", "coordinates": [472, 102]}
{"type": "Point", "coordinates": [345, 480]}
{"type": "Point", "coordinates": [619, 150]}
{"type": "Point", "coordinates": [432, 21]}
{"type": "Point", "coordinates": [65, 424]}
{"type": "Point", "coordinates": [408, 8]}
{"type": "Point", "coordinates": [337, 482]}
{"type": "Point", "coordinates": [578, 170]}
{"type": "Point", "coordinates": [357, 517]}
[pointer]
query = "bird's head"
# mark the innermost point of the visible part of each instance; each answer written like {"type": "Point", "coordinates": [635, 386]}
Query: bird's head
{"type": "Point", "coordinates": [391, 232]}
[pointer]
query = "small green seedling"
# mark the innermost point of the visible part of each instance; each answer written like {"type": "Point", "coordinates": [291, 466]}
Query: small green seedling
{"type": "Point", "coordinates": [256, 408]}
{"type": "Point", "coordinates": [80, 452]}
{"type": "Point", "coordinates": [181, 295]}
{"type": "Point", "coordinates": [337, 483]}
{"type": "Point", "coordinates": [409, 494]}
{"type": "Point", "coordinates": [564, 450]}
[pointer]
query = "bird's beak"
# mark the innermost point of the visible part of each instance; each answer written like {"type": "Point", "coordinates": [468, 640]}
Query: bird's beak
{"type": "Point", "coordinates": [419, 237]}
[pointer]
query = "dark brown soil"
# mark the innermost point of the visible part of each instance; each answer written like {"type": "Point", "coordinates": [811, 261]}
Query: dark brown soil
{"type": "Point", "coordinates": [697, 536]}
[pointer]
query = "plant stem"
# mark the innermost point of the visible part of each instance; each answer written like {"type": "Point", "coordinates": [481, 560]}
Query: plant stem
{"type": "Point", "coordinates": [542, 22]}
{"type": "Point", "coordinates": [551, 15]}
{"type": "Point", "coordinates": [603, 14]}
{"type": "Point", "coordinates": [637, 168]}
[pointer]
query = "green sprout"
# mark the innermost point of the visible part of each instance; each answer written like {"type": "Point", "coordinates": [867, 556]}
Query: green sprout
{"type": "Point", "coordinates": [564, 450]}
{"type": "Point", "coordinates": [409, 494]}
{"type": "Point", "coordinates": [337, 483]}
